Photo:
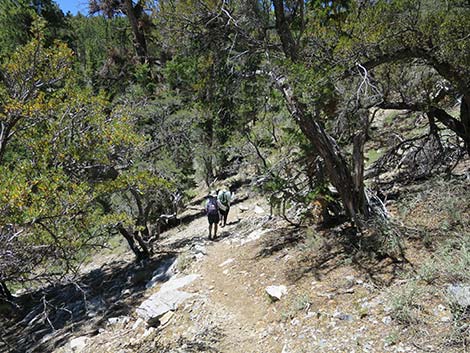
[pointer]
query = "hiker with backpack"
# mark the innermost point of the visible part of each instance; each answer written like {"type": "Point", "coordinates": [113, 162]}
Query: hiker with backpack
{"type": "Point", "coordinates": [224, 197]}
{"type": "Point", "coordinates": [212, 211]}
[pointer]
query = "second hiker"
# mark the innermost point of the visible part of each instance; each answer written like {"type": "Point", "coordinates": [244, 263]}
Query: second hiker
{"type": "Point", "coordinates": [223, 202]}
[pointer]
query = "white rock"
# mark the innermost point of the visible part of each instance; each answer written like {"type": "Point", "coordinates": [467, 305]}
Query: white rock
{"type": "Point", "coordinates": [342, 316]}
{"type": "Point", "coordinates": [139, 322]}
{"type": "Point", "coordinates": [118, 320]}
{"type": "Point", "coordinates": [243, 208]}
{"type": "Point", "coordinates": [310, 314]}
{"type": "Point", "coordinates": [148, 332]}
{"type": "Point", "coordinates": [460, 295]}
{"type": "Point", "coordinates": [165, 271]}
{"type": "Point", "coordinates": [165, 319]}
{"type": "Point", "coordinates": [255, 235]}
{"type": "Point", "coordinates": [258, 210]}
{"type": "Point", "coordinates": [276, 292]}
{"type": "Point", "coordinates": [77, 344]}
{"type": "Point", "coordinates": [177, 283]}
{"type": "Point", "coordinates": [160, 303]}
{"type": "Point", "coordinates": [226, 262]}
{"type": "Point", "coordinates": [387, 320]}
{"type": "Point", "coordinates": [285, 349]}
{"type": "Point", "coordinates": [113, 320]}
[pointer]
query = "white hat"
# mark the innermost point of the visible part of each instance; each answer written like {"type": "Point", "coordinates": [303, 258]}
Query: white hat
{"type": "Point", "coordinates": [213, 193]}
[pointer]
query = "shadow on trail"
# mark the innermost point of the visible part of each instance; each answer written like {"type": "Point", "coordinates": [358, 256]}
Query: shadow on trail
{"type": "Point", "coordinates": [221, 236]}
{"type": "Point", "coordinates": [203, 238]}
{"type": "Point", "coordinates": [49, 317]}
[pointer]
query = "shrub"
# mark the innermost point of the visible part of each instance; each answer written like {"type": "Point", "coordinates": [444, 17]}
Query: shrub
{"type": "Point", "coordinates": [404, 303]}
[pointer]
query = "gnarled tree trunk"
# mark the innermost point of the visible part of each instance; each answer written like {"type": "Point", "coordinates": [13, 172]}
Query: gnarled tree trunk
{"type": "Point", "coordinates": [350, 186]}
{"type": "Point", "coordinates": [348, 182]}
{"type": "Point", "coordinates": [140, 43]}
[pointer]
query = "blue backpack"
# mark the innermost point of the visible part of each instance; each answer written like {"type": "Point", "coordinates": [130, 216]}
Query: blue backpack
{"type": "Point", "coordinates": [212, 206]}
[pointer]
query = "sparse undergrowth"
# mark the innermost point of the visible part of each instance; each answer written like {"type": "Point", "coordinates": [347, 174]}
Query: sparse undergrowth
{"type": "Point", "coordinates": [438, 211]}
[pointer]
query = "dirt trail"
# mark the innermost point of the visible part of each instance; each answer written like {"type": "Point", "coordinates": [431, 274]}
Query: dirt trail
{"type": "Point", "coordinates": [230, 310]}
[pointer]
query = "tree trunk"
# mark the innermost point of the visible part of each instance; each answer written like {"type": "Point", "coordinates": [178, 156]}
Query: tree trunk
{"type": "Point", "coordinates": [349, 186]}
{"type": "Point", "coordinates": [140, 254]}
{"type": "Point", "coordinates": [144, 247]}
{"type": "Point", "coordinates": [5, 292]}
{"type": "Point", "coordinates": [140, 44]}
{"type": "Point", "coordinates": [288, 44]}
{"type": "Point", "coordinates": [465, 119]}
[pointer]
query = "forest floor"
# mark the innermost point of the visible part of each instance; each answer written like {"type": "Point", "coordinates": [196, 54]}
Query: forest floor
{"type": "Point", "coordinates": [334, 302]}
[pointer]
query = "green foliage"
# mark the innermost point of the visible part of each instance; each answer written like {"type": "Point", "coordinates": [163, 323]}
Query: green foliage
{"type": "Point", "coordinates": [52, 187]}
{"type": "Point", "coordinates": [102, 48]}
{"type": "Point", "coordinates": [450, 263]}
{"type": "Point", "coordinates": [17, 16]}
{"type": "Point", "coordinates": [404, 303]}
{"type": "Point", "coordinates": [300, 303]}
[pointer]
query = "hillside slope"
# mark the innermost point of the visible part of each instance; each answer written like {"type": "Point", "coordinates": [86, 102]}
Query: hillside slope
{"type": "Point", "coordinates": [333, 303]}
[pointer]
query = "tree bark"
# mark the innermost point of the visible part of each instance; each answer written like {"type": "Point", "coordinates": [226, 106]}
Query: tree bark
{"type": "Point", "coordinates": [337, 169]}
{"type": "Point", "coordinates": [5, 292]}
{"type": "Point", "coordinates": [465, 119]}
{"type": "Point", "coordinates": [140, 254]}
{"type": "Point", "coordinates": [140, 43]}
{"type": "Point", "coordinates": [288, 44]}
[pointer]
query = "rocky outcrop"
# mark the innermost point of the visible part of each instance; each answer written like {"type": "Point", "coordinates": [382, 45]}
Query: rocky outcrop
{"type": "Point", "coordinates": [168, 298]}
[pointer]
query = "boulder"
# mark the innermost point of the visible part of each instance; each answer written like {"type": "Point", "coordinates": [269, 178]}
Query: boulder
{"type": "Point", "coordinates": [276, 292]}
{"type": "Point", "coordinates": [459, 295]}
{"type": "Point", "coordinates": [152, 309]}
{"type": "Point", "coordinates": [163, 273]}
{"type": "Point", "coordinates": [179, 282]}
{"type": "Point", "coordinates": [78, 344]}
{"type": "Point", "coordinates": [168, 298]}
{"type": "Point", "coordinates": [258, 210]}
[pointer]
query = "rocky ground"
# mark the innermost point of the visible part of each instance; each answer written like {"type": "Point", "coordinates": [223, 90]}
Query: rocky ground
{"type": "Point", "coordinates": [326, 304]}
{"type": "Point", "coordinates": [261, 286]}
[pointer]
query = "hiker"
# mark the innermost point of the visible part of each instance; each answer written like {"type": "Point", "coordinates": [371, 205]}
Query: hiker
{"type": "Point", "coordinates": [223, 202]}
{"type": "Point", "coordinates": [212, 211]}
